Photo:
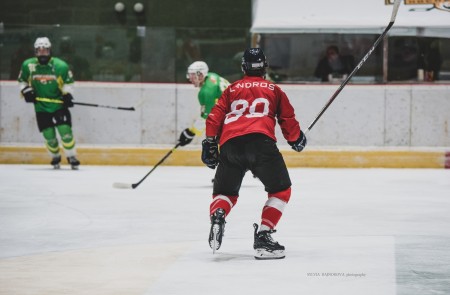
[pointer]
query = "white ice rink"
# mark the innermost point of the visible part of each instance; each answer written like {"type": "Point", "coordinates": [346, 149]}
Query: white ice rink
{"type": "Point", "coordinates": [346, 231]}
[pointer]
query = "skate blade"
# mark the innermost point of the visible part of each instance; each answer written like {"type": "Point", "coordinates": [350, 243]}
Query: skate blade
{"type": "Point", "coordinates": [56, 167]}
{"type": "Point", "coordinates": [74, 167]}
{"type": "Point", "coordinates": [214, 244]}
{"type": "Point", "coordinates": [262, 254]}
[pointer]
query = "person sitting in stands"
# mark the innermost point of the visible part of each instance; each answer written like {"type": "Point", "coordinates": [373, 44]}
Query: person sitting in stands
{"type": "Point", "coordinates": [334, 65]}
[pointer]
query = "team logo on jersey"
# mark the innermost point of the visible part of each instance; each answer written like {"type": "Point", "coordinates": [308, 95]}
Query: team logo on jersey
{"type": "Point", "coordinates": [438, 4]}
{"type": "Point", "coordinates": [32, 67]}
{"type": "Point", "coordinates": [44, 79]}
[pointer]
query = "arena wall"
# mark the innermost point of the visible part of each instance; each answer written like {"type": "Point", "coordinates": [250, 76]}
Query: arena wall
{"type": "Point", "coordinates": [366, 126]}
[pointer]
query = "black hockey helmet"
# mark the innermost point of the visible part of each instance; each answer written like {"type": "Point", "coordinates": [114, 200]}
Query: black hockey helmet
{"type": "Point", "coordinates": [254, 62]}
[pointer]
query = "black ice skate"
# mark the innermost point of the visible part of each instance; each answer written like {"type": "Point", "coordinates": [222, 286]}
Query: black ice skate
{"type": "Point", "coordinates": [264, 245]}
{"type": "Point", "coordinates": [55, 162]}
{"type": "Point", "coordinates": [73, 161]}
{"type": "Point", "coordinates": [217, 229]}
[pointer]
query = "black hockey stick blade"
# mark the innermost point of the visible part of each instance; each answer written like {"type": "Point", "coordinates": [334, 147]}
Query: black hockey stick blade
{"type": "Point", "coordinates": [104, 106]}
{"type": "Point", "coordinates": [363, 60]}
{"type": "Point", "coordinates": [122, 185]}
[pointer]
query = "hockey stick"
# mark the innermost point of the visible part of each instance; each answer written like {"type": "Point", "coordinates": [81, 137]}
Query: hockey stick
{"type": "Point", "coordinates": [103, 106]}
{"type": "Point", "coordinates": [363, 60]}
{"type": "Point", "coordinates": [135, 185]}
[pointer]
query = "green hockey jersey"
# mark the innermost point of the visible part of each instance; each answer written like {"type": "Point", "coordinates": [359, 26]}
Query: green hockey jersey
{"type": "Point", "coordinates": [210, 92]}
{"type": "Point", "coordinates": [49, 82]}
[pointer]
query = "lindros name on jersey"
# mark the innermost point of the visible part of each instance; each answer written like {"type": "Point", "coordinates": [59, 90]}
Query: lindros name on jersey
{"type": "Point", "coordinates": [243, 85]}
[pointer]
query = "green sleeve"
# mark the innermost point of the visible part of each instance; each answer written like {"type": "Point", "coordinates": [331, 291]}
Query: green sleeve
{"type": "Point", "coordinates": [207, 98]}
{"type": "Point", "coordinates": [64, 72]}
{"type": "Point", "coordinates": [210, 92]}
{"type": "Point", "coordinates": [24, 74]}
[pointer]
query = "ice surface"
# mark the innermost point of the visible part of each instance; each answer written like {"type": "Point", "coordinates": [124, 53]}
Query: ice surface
{"type": "Point", "coordinates": [346, 231]}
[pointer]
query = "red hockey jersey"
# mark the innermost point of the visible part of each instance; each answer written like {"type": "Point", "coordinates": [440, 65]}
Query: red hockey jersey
{"type": "Point", "coordinates": [252, 105]}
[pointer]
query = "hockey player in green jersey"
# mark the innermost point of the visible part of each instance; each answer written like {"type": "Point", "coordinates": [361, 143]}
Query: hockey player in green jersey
{"type": "Point", "coordinates": [47, 82]}
{"type": "Point", "coordinates": [211, 87]}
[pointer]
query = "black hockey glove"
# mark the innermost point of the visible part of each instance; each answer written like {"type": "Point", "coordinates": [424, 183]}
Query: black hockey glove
{"type": "Point", "coordinates": [300, 143]}
{"type": "Point", "coordinates": [186, 137]}
{"type": "Point", "coordinates": [28, 94]}
{"type": "Point", "coordinates": [210, 152]}
{"type": "Point", "coordinates": [67, 100]}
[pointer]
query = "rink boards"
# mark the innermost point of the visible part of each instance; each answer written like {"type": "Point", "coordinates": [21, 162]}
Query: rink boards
{"type": "Point", "coordinates": [190, 156]}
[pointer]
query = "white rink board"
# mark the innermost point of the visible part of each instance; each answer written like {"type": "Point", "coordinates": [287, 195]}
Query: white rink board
{"type": "Point", "coordinates": [362, 115]}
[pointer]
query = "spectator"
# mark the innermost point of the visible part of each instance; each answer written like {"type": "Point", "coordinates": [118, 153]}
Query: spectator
{"type": "Point", "coordinates": [334, 65]}
{"type": "Point", "coordinates": [78, 65]}
{"type": "Point", "coordinates": [433, 61]}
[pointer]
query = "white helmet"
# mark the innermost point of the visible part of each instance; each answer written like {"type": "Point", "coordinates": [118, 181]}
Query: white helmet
{"type": "Point", "coordinates": [42, 42]}
{"type": "Point", "coordinates": [198, 67]}
{"type": "Point", "coordinates": [42, 50]}
{"type": "Point", "coordinates": [194, 71]}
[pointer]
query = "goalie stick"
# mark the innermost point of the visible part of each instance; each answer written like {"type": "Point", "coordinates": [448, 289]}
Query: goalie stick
{"type": "Point", "coordinates": [363, 60]}
{"type": "Point", "coordinates": [135, 185]}
{"type": "Point", "coordinates": [103, 106]}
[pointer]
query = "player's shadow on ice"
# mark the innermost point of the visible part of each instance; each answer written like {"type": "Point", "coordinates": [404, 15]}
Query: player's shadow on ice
{"type": "Point", "coordinates": [51, 169]}
{"type": "Point", "coordinates": [228, 256]}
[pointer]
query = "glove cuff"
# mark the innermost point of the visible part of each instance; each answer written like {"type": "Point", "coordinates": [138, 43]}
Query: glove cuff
{"type": "Point", "coordinates": [188, 133]}
{"type": "Point", "coordinates": [27, 89]}
{"type": "Point", "coordinates": [211, 139]}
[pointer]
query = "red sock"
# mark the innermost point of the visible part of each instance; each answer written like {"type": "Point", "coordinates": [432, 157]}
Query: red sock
{"type": "Point", "coordinates": [273, 209]}
{"type": "Point", "coordinates": [224, 202]}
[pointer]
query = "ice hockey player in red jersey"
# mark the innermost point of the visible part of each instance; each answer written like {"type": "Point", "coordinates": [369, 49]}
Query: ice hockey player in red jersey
{"type": "Point", "coordinates": [243, 124]}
